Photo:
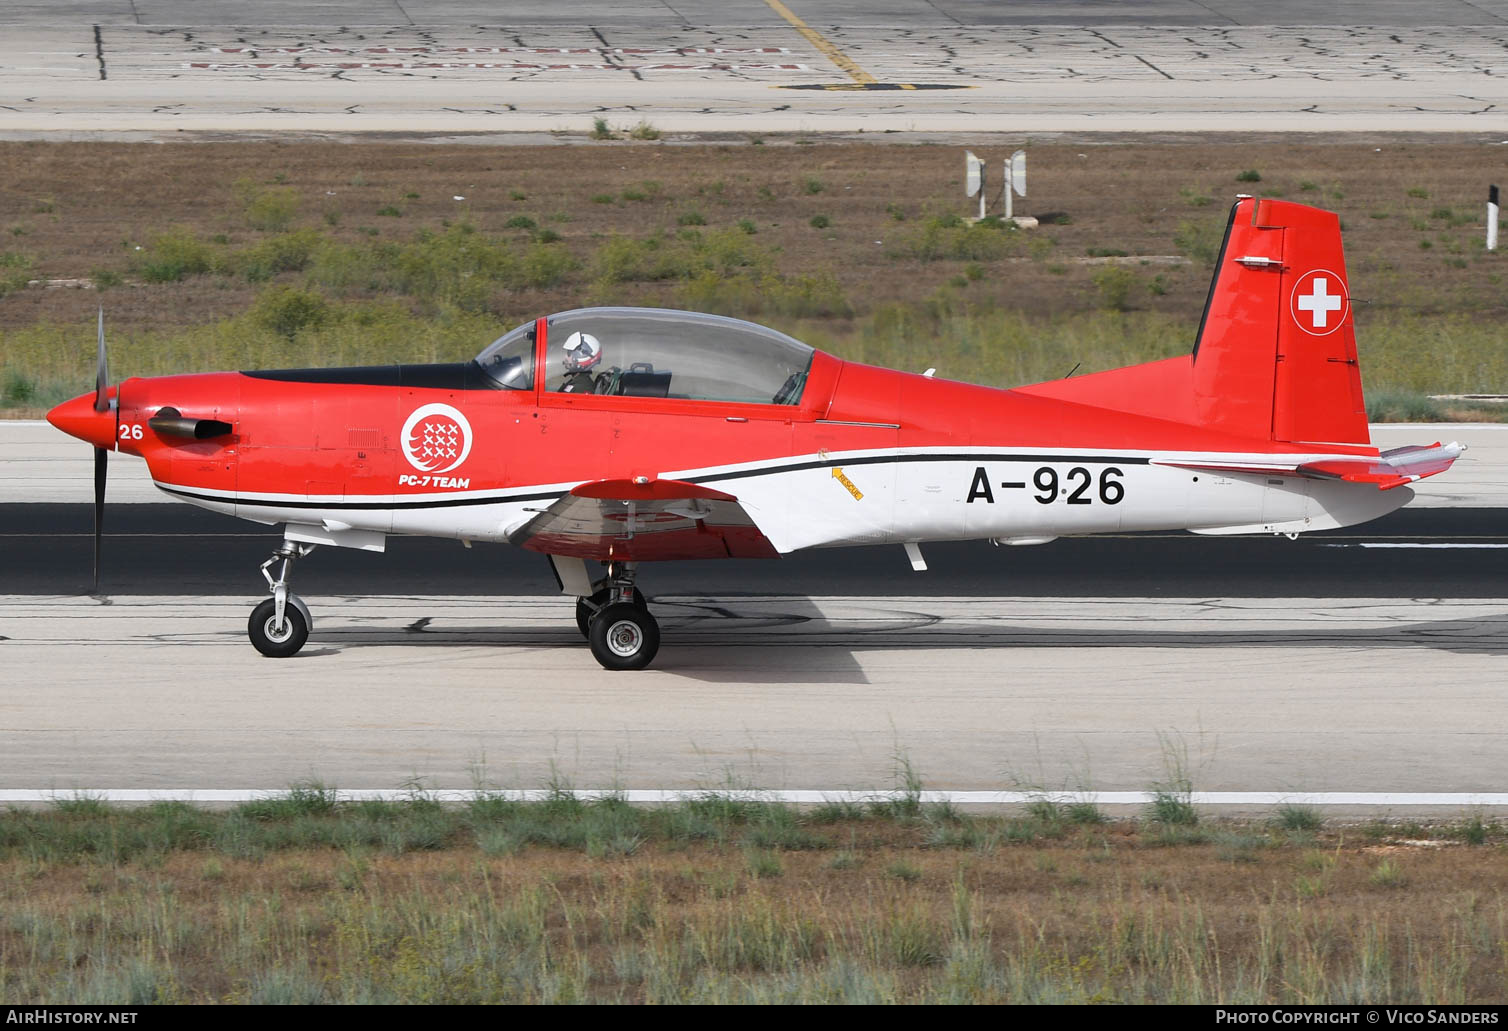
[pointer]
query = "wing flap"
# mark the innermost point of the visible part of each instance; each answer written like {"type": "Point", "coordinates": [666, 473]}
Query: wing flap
{"type": "Point", "coordinates": [653, 520]}
{"type": "Point", "coordinates": [645, 489]}
{"type": "Point", "coordinates": [1392, 468]}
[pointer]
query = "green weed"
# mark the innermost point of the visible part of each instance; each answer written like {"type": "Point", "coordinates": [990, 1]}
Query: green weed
{"type": "Point", "coordinates": [173, 255]}
{"type": "Point", "coordinates": [15, 271]}
{"type": "Point", "coordinates": [1116, 285]}
{"type": "Point", "coordinates": [903, 871]}
{"type": "Point", "coordinates": [1198, 240]}
{"type": "Point", "coordinates": [1388, 874]}
{"type": "Point", "coordinates": [949, 237]}
{"type": "Point", "coordinates": [763, 864]}
{"type": "Point", "coordinates": [267, 208]}
{"type": "Point", "coordinates": [1293, 817]}
{"type": "Point", "coordinates": [286, 310]}
{"type": "Point", "coordinates": [288, 252]}
{"type": "Point", "coordinates": [1402, 406]}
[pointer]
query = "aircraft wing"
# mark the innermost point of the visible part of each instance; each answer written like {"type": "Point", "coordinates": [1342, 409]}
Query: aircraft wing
{"type": "Point", "coordinates": [1390, 469]}
{"type": "Point", "coordinates": [630, 521]}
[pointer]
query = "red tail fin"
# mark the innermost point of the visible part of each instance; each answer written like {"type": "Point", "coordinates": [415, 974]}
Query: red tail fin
{"type": "Point", "coordinates": [1275, 358]}
{"type": "Point", "coordinates": [1276, 354]}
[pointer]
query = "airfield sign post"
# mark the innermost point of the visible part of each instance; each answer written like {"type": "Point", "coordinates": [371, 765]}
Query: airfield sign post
{"type": "Point", "coordinates": [1015, 179]}
{"type": "Point", "coordinates": [1012, 183]}
{"type": "Point", "coordinates": [973, 178]}
{"type": "Point", "coordinates": [1492, 218]}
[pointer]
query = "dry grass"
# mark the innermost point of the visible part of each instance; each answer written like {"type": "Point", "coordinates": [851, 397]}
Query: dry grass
{"type": "Point", "coordinates": [888, 277]}
{"type": "Point", "coordinates": [935, 907]}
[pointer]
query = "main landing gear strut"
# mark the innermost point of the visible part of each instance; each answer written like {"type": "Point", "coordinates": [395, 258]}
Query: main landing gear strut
{"type": "Point", "coordinates": [280, 625]}
{"type": "Point", "coordinates": [616, 621]}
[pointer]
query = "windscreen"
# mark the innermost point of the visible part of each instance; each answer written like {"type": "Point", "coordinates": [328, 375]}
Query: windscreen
{"type": "Point", "coordinates": [509, 360]}
{"type": "Point", "coordinates": [655, 352]}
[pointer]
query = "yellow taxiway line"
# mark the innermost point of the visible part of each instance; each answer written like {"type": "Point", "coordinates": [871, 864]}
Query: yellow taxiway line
{"type": "Point", "coordinates": [822, 43]}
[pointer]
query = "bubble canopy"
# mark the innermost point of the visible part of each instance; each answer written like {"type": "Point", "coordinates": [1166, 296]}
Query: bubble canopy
{"type": "Point", "coordinates": [657, 352]}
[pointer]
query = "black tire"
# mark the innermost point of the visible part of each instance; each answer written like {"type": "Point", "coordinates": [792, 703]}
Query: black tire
{"type": "Point", "coordinates": [586, 608]}
{"type": "Point", "coordinates": [270, 643]}
{"type": "Point", "coordinates": [624, 636]}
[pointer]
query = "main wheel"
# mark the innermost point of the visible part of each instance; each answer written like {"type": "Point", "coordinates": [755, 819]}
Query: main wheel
{"type": "Point", "coordinates": [624, 636]}
{"type": "Point", "coordinates": [274, 641]}
{"type": "Point", "coordinates": [586, 608]}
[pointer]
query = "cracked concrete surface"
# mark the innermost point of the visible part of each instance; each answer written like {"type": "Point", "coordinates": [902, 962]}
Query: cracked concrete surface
{"type": "Point", "coordinates": [780, 693]}
{"type": "Point", "coordinates": [348, 66]}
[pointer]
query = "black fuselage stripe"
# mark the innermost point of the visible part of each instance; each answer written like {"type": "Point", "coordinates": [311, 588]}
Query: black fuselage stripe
{"type": "Point", "coordinates": [368, 505]}
{"type": "Point", "coordinates": [708, 478]}
{"type": "Point", "coordinates": [882, 459]}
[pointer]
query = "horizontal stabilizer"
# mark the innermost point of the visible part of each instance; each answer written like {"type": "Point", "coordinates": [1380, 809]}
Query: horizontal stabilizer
{"type": "Point", "coordinates": [1390, 469]}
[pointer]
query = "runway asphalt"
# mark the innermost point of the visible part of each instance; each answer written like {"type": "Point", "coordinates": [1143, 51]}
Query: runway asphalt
{"type": "Point", "coordinates": [177, 549]}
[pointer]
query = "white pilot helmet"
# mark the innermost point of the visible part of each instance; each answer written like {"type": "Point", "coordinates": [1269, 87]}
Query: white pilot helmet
{"type": "Point", "coordinates": [583, 351]}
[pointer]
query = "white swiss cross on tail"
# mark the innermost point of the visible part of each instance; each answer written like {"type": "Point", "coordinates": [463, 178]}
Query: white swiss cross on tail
{"type": "Point", "coordinates": [436, 438]}
{"type": "Point", "coordinates": [1320, 303]}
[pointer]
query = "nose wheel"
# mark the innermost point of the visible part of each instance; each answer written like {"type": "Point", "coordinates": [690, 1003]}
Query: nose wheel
{"type": "Point", "coordinates": [280, 625]}
{"type": "Point", "coordinates": [274, 638]}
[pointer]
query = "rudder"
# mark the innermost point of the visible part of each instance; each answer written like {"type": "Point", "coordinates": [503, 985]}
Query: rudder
{"type": "Point", "coordinates": [1276, 354]}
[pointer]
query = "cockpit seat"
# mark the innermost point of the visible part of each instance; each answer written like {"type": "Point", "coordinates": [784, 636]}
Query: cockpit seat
{"type": "Point", "coordinates": [644, 384]}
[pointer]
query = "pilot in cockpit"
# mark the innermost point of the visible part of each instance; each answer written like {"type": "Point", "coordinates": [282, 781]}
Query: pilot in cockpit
{"type": "Point", "coordinates": [583, 354]}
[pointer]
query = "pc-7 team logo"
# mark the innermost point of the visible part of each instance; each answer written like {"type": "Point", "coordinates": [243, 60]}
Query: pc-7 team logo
{"type": "Point", "coordinates": [436, 438]}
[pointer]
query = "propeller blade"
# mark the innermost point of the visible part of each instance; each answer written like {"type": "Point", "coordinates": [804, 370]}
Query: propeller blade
{"type": "Point", "coordinates": [102, 372]}
{"type": "Point", "coordinates": [101, 466]}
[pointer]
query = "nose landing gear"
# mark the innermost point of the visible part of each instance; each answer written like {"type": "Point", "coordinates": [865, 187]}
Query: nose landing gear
{"type": "Point", "coordinates": [280, 625]}
{"type": "Point", "coordinates": [617, 623]}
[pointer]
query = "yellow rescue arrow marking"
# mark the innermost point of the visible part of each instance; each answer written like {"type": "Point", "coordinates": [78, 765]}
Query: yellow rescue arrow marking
{"type": "Point", "coordinates": [858, 495]}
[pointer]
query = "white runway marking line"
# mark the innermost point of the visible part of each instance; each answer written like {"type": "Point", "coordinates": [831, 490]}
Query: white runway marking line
{"type": "Point", "coordinates": [442, 51]}
{"type": "Point", "coordinates": [804, 797]}
{"type": "Point", "coordinates": [222, 66]}
{"type": "Point", "coordinates": [1401, 544]}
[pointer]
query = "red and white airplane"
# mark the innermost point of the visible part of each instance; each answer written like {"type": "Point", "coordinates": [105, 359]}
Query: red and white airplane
{"type": "Point", "coordinates": [622, 436]}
